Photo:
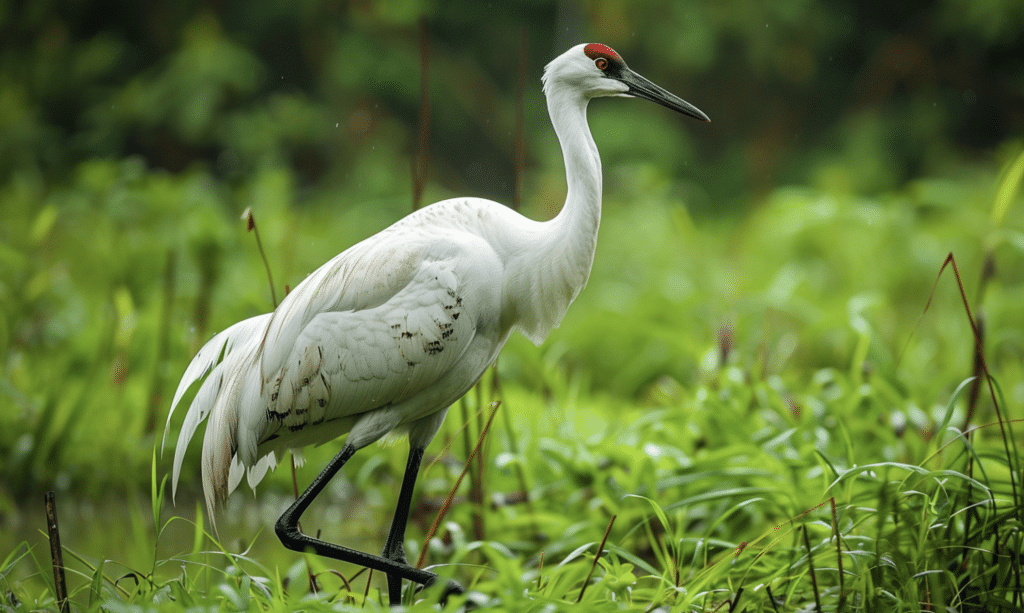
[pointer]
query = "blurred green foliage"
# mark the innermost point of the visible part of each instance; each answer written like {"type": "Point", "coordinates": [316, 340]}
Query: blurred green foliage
{"type": "Point", "coordinates": [888, 90]}
{"type": "Point", "coordinates": [132, 135]}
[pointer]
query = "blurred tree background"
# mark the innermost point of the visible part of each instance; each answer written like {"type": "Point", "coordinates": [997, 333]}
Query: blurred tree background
{"type": "Point", "coordinates": [133, 134]}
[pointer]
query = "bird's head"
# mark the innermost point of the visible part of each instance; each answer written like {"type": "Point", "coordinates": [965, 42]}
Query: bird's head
{"type": "Point", "coordinates": [594, 70]}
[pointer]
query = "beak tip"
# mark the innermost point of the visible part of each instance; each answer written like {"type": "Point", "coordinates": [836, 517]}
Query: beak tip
{"type": "Point", "coordinates": [699, 115]}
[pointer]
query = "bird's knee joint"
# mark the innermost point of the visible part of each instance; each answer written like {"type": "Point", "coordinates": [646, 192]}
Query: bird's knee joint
{"type": "Point", "coordinates": [287, 532]}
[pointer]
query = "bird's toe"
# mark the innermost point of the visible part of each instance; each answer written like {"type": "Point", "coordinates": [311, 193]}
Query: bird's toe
{"type": "Point", "coordinates": [452, 588]}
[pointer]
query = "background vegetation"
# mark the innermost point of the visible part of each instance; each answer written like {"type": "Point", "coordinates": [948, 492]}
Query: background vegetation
{"type": "Point", "coordinates": [752, 346]}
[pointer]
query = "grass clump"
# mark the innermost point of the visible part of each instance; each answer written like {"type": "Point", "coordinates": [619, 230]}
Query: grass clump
{"type": "Point", "coordinates": [780, 513]}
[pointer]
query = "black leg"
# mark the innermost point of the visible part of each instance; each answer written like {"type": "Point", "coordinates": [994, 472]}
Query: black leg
{"type": "Point", "coordinates": [291, 537]}
{"type": "Point", "coordinates": [394, 546]}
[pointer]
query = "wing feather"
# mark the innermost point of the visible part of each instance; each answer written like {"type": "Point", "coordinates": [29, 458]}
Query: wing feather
{"type": "Point", "coordinates": [365, 276]}
{"type": "Point", "coordinates": [373, 336]}
{"type": "Point", "coordinates": [358, 361]}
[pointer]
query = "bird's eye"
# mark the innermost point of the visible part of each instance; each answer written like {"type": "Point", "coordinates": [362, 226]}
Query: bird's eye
{"type": "Point", "coordinates": [601, 63]}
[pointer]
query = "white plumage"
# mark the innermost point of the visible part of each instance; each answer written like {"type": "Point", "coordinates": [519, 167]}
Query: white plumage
{"type": "Point", "coordinates": [385, 336]}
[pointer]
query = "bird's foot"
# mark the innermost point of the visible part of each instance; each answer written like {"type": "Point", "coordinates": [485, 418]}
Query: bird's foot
{"type": "Point", "coordinates": [395, 584]}
{"type": "Point", "coordinates": [453, 588]}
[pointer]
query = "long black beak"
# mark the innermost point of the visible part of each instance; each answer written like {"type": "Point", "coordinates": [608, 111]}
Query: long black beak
{"type": "Point", "coordinates": [640, 87]}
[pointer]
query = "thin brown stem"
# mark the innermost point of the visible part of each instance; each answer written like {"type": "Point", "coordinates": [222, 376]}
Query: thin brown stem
{"type": "Point", "coordinates": [600, 550]}
{"type": "Point", "coordinates": [771, 598]}
{"type": "Point", "coordinates": [60, 584]}
{"type": "Point", "coordinates": [839, 554]}
{"type": "Point", "coordinates": [810, 565]}
{"type": "Point", "coordinates": [366, 592]}
{"type": "Point", "coordinates": [980, 353]}
{"type": "Point", "coordinates": [735, 600]}
{"type": "Point", "coordinates": [250, 221]}
{"type": "Point", "coordinates": [446, 505]}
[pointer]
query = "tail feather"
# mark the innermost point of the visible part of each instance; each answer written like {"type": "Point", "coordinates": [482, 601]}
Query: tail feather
{"type": "Point", "coordinates": [253, 474]}
{"type": "Point", "coordinates": [221, 361]}
{"type": "Point", "coordinates": [251, 426]}
{"type": "Point", "coordinates": [197, 412]}
{"type": "Point", "coordinates": [235, 473]}
{"type": "Point", "coordinates": [219, 445]}
{"type": "Point", "coordinates": [210, 355]}
{"type": "Point", "coordinates": [257, 471]}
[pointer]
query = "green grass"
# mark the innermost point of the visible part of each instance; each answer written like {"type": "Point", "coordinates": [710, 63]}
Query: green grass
{"type": "Point", "coordinates": [762, 404]}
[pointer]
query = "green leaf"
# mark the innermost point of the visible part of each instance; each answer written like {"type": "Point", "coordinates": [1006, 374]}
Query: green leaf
{"type": "Point", "coordinates": [96, 586]}
{"type": "Point", "coordinates": [1006, 190]}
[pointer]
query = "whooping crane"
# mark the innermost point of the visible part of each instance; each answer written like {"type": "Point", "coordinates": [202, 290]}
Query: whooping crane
{"type": "Point", "coordinates": [384, 337]}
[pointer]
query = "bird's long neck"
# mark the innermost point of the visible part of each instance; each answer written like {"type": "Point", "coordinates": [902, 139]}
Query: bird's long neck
{"type": "Point", "coordinates": [580, 216]}
{"type": "Point", "coordinates": [563, 249]}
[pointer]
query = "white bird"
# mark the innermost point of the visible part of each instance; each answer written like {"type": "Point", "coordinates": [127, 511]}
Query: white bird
{"type": "Point", "coordinates": [383, 338]}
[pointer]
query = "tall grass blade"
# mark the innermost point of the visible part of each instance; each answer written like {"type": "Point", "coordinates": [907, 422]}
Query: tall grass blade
{"type": "Point", "coordinates": [1007, 188]}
